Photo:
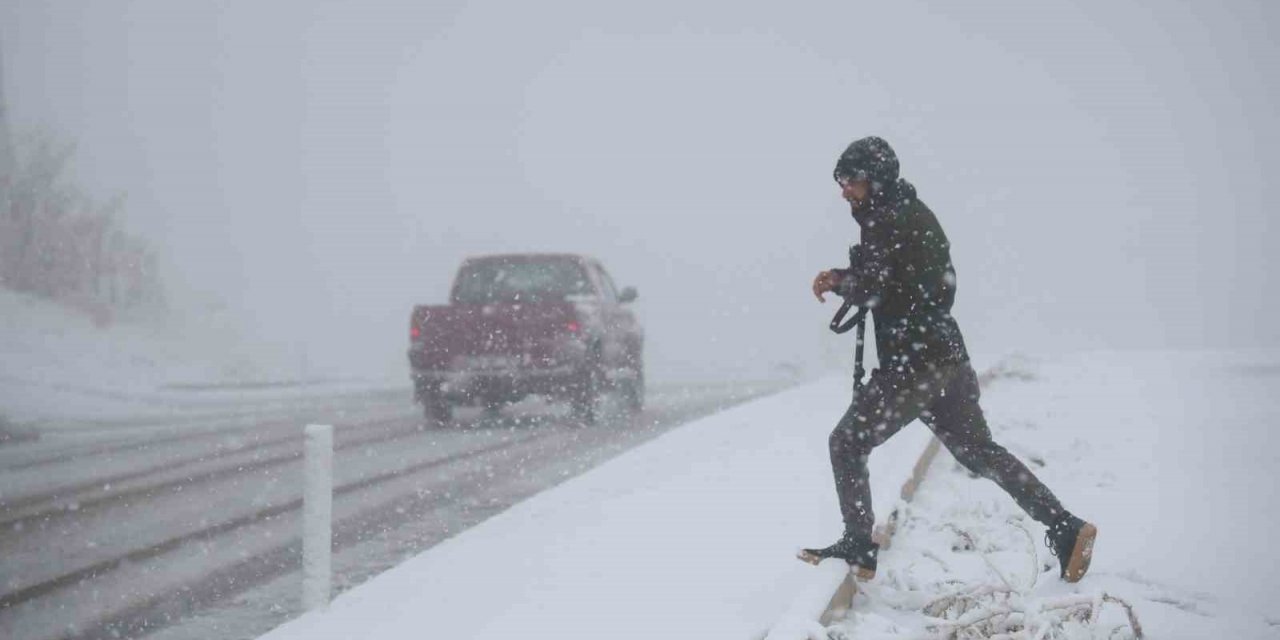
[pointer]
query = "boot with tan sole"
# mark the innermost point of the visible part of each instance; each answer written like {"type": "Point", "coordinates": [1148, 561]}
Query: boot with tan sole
{"type": "Point", "coordinates": [861, 555]}
{"type": "Point", "coordinates": [1071, 540]}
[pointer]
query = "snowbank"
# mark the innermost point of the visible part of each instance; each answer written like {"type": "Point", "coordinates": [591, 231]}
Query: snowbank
{"type": "Point", "coordinates": [690, 535]}
{"type": "Point", "coordinates": [56, 364]}
{"type": "Point", "coordinates": [1173, 455]}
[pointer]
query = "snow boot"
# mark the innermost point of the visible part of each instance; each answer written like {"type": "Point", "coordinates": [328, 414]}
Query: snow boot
{"type": "Point", "coordinates": [860, 554]}
{"type": "Point", "coordinates": [1071, 540]}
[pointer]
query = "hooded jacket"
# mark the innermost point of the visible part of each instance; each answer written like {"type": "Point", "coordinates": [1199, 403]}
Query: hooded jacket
{"type": "Point", "coordinates": [902, 269]}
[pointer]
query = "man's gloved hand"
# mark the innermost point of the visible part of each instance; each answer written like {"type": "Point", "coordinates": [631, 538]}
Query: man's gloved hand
{"type": "Point", "coordinates": [825, 282]}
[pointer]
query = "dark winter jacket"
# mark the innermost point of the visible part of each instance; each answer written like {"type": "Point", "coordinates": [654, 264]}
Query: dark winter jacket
{"type": "Point", "coordinates": [903, 271]}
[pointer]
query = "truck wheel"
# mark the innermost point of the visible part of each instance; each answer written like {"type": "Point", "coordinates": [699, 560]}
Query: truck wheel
{"type": "Point", "coordinates": [436, 410]}
{"type": "Point", "coordinates": [633, 392]}
{"type": "Point", "coordinates": [584, 401]}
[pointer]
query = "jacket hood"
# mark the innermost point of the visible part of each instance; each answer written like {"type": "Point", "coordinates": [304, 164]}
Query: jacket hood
{"type": "Point", "coordinates": [870, 159]}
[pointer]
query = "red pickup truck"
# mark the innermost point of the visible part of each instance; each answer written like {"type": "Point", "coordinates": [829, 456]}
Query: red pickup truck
{"type": "Point", "coordinates": [529, 324]}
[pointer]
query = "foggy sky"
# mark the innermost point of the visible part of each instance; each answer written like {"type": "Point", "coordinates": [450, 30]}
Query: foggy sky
{"type": "Point", "coordinates": [316, 168]}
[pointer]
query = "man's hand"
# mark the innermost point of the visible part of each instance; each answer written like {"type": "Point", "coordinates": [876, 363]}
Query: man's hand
{"type": "Point", "coordinates": [825, 282]}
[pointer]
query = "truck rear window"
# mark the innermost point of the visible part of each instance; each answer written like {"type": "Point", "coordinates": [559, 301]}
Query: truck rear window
{"type": "Point", "coordinates": [519, 281]}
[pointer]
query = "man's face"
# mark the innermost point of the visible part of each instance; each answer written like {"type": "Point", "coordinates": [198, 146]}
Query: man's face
{"type": "Point", "coordinates": [854, 191]}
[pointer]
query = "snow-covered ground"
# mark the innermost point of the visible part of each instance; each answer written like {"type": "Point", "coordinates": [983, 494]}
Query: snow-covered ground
{"type": "Point", "coordinates": [692, 535]}
{"type": "Point", "coordinates": [689, 535]}
{"type": "Point", "coordinates": [57, 367]}
{"type": "Point", "coordinates": [1173, 455]}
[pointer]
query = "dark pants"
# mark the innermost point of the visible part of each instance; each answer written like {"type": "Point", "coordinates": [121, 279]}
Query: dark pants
{"type": "Point", "coordinates": [946, 399]}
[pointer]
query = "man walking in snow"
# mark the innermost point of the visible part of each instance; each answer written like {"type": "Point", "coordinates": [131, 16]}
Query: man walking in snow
{"type": "Point", "coordinates": [903, 273]}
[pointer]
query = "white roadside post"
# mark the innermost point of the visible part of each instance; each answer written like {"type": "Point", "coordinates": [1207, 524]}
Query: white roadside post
{"type": "Point", "coordinates": [317, 516]}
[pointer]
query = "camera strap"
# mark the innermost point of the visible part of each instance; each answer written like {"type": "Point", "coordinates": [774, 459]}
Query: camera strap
{"type": "Point", "coordinates": [838, 323]}
{"type": "Point", "coordinates": [840, 326]}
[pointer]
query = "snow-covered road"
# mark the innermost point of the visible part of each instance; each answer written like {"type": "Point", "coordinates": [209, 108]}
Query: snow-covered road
{"type": "Point", "coordinates": [129, 528]}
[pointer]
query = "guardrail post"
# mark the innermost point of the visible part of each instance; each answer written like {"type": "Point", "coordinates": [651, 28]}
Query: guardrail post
{"type": "Point", "coordinates": [317, 516]}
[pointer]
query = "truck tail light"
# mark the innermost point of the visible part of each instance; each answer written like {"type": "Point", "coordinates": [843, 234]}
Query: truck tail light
{"type": "Point", "coordinates": [573, 326]}
{"type": "Point", "coordinates": [417, 320]}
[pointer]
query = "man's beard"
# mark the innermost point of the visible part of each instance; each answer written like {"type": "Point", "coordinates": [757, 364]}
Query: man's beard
{"type": "Point", "coordinates": [859, 208]}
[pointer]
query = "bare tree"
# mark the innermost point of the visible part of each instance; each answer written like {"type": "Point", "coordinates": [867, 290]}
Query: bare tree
{"type": "Point", "coordinates": [58, 243]}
